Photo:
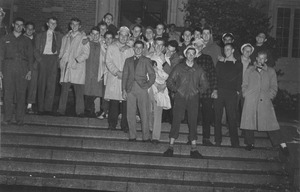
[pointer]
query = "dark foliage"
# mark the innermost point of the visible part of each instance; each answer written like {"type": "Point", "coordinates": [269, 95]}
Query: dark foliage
{"type": "Point", "coordinates": [241, 17]}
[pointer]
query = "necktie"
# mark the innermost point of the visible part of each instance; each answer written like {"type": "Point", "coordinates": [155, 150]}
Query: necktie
{"type": "Point", "coordinates": [149, 46]}
{"type": "Point", "coordinates": [53, 48]}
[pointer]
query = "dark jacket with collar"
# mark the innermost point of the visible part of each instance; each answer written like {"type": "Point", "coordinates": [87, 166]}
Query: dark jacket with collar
{"type": "Point", "coordinates": [174, 60]}
{"type": "Point", "coordinates": [40, 43]}
{"type": "Point", "coordinates": [187, 81]}
{"type": "Point", "coordinates": [139, 74]}
{"type": "Point", "coordinates": [206, 62]}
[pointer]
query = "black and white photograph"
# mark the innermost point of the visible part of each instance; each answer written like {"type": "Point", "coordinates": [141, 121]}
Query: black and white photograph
{"type": "Point", "coordinates": [149, 95]}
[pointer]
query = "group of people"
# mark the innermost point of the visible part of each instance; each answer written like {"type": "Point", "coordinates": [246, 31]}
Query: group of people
{"type": "Point", "coordinates": [142, 71]}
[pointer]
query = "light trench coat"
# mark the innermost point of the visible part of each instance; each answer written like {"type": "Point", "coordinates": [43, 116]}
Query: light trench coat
{"type": "Point", "coordinates": [115, 60]}
{"type": "Point", "coordinates": [259, 88]}
{"type": "Point", "coordinates": [72, 50]}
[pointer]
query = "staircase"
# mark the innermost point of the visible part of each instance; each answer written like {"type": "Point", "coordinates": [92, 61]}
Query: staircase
{"type": "Point", "coordinates": [80, 153]}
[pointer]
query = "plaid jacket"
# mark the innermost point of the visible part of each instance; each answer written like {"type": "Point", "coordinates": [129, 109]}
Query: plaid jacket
{"type": "Point", "coordinates": [206, 62]}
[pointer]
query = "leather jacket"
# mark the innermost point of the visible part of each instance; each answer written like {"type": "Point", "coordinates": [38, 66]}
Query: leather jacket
{"type": "Point", "coordinates": [187, 81]}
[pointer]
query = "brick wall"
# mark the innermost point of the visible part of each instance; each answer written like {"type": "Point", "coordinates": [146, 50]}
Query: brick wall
{"type": "Point", "coordinates": [32, 10]}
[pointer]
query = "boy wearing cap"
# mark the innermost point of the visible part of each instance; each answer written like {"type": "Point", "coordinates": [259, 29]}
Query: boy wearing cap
{"type": "Point", "coordinates": [228, 38]}
{"type": "Point", "coordinates": [246, 50]}
{"type": "Point", "coordinates": [116, 55]}
{"type": "Point", "coordinates": [187, 80]}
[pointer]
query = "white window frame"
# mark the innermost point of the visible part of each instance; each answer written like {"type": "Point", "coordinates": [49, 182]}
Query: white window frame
{"type": "Point", "coordinates": [291, 4]}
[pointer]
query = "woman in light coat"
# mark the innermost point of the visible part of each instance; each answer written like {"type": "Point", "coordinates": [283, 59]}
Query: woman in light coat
{"type": "Point", "coordinates": [259, 88]}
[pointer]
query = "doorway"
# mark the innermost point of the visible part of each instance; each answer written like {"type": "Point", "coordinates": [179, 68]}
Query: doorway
{"type": "Point", "coordinates": [151, 12]}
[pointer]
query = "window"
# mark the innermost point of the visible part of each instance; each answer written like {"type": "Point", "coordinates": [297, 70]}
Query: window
{"type": "Point", "coordinates": [282, 32]}
{"type": "Point", "coordinates": [296, 35]}
{"type": "Point", "coordinates": [288, 32]}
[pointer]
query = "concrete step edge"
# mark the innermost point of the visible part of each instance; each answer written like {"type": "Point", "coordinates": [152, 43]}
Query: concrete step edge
{"type": "Point", "coordinates": [59, 129]}
{"type": "Point", "coordinates": [82, 156]}
{"type": "Point", "coordinates": [138, 147]}
{"type": "Point", "coordinates": [125, 186]}
{"type": "Point", "coordinates": [119, 135]}
{"type": "Point", "coordinates": [139, 174]}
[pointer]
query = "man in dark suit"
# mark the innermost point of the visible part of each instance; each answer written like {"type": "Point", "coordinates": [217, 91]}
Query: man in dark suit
{"type": "Point", "coordinates": [135, 87]}
{"type": "Point", "coordinates": [47, 47]}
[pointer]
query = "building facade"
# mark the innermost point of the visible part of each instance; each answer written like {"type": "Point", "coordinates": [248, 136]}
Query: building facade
{"type": "Point", "coordinates": [284, 14]}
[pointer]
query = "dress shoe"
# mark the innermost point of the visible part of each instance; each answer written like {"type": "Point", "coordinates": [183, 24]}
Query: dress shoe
{"type": "Point", "coordinates": [285, 151]}
{"type": "Point", "coordinates": [102, 116]}
{"type": "Point", "coordinates": [132, 140]}
{"type": "Point", "coordinates": [196, 155]}
{"type": "Point", "coordinates": [206, 142]}
{"type": "Point", "coordinates": [168, 153]}
{"type": "Point", "coordinates": [249, 147]}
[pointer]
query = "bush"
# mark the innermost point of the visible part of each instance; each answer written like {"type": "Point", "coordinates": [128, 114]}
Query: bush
{"type": "Point", "coordinates": [242, 18]}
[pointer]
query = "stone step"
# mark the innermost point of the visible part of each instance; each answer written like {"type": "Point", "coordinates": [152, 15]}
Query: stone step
{"type": "Point", "coordinates": [53, 154]}
{"type": "Point", "coordinates": [107, 134]}
{"type": "Point", "coordinates": [124, 146]}
{"type": "Point", "coordinates": [75, 182]}
{"type": "Point", "coordinates": [102, 124]}
{"type": "Point", "coordinates": [58, 169]}
{"type": "Point", "coordinates": [92, 157]}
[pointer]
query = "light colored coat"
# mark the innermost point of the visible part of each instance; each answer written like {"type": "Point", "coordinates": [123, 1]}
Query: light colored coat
{"type": "Point", "coordinates": [115, 60]}
{"type": "Point", "coordinates": [72, 50]}
{"type": "Point", "coordinates": [259, 88]}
